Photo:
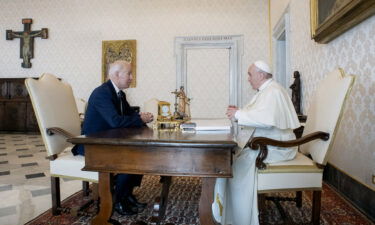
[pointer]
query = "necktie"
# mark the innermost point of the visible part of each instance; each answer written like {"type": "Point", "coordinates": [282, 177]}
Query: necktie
{"type": "Point", "coordinates": [121, 97]}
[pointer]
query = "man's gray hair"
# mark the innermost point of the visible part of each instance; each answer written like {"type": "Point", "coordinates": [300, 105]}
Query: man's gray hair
{"type": "Point", "coordinates": [116, 66]}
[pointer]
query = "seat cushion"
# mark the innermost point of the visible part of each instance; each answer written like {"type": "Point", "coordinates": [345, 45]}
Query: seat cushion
{"type": "Point", "coordinates": [69, 166]}
{"type": "Point", "coordinates": [299, 174]}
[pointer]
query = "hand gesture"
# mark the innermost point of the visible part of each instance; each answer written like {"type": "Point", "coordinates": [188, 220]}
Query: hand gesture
{"type": "Point", "coordinates": [146, 117]}
{"type": "Point", "coordinates": [231, 111]}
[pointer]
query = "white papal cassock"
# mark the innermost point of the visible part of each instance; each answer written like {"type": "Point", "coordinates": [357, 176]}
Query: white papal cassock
{"type": "Point", "coordinates": [272, 114]}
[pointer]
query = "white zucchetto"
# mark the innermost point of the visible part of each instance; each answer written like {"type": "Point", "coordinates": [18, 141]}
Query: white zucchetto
{"type": "Point", "coordinates": [263, 66]}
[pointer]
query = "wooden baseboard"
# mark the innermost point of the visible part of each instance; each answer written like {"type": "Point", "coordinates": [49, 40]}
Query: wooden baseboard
{"type": "Point", "coordinates": [362, 197]}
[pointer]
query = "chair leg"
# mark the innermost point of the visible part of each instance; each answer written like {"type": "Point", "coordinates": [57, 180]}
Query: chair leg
{"type": "Point", "coordinates": [261, 202]}
{"type": "Point", "coordinates": [55, 192]}
{"type": "Point", "coordinates": [315, 219]}
{"type": "Point", "coordinates": [95, 196]}
{"type": "Point", "coordinates": [299, 199]}
{"type": "Point", "coordinates": [85, 188]}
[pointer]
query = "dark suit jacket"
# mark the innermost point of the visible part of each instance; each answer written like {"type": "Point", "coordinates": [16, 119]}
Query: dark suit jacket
{"type": "Point", "coordinates": [104, 113]}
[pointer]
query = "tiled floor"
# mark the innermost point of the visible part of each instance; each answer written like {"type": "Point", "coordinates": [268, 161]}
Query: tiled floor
{"type": "Point", "coordinates": [25, 189]}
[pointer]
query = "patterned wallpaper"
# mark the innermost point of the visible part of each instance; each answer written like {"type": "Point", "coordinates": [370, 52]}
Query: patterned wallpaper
{"type": "Point", "coordinates": [77, 28]}
{"type": "Point", "coordinates": [354, 51]}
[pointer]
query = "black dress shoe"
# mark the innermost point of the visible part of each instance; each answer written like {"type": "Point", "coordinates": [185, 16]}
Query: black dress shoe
{"type": "Point", "coordinates": [132, 200]}
{"type": "Point", "coordinates": [125, 210]}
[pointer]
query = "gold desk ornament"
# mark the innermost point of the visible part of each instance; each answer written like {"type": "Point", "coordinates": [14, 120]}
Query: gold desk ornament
{"type": "Point", "coordinates": [165, 120]}
{"type": "Point", "coordinates": [164, 111]}
{"type": "Point", "coordinates": [181, 105]}
{"type": "Point", "coordinates": [167, 125]}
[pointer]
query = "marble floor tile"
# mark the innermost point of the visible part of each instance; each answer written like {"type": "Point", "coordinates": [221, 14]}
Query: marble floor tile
{"type": "Point", "coordinates": [6, 211]}
{"type": "Point", "coordinates": [26, 191]}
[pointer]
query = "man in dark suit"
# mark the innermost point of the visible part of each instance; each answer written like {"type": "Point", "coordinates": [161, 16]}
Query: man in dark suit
{"type": "Point", "coordinates": [107, 109]}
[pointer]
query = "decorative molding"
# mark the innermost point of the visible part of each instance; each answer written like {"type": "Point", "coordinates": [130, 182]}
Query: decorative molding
{"type": "Point", "coordinates": [282, 26]}
{"type": "Point", "coordinates": [207, 38]}
{"type": "Point", "coordinates": [232, 42]}
{"type": "Point", "coordinates": [270, 30]}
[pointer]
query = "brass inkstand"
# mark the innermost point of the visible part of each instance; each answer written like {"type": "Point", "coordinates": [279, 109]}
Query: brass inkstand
{"type": "Point", "coordinates": [165, 119]}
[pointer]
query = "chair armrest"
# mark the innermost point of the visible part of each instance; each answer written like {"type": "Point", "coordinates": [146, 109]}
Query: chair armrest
{"type": "Point", "coordinates": [257, 141]}
{"type": "Point", "coordinates": [135, 108]}
{"type": "Point", "coordinates": [302, 118]}
{"type": "Point", "coordinates": [57, 130]}
{"type": "Point", "coordinates": [262, 142]}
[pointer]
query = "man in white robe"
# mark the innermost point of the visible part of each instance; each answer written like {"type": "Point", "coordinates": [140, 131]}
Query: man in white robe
{"type": "Point", "coordinates": [271, 114]}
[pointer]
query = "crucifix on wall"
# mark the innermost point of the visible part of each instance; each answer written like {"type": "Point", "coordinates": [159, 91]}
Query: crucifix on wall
{"type": "Point", "coordinates": [27, 40]}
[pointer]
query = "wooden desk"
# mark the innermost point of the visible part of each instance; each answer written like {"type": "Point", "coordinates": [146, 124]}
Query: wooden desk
{"type": "Point", "coordinates": [167, 153]}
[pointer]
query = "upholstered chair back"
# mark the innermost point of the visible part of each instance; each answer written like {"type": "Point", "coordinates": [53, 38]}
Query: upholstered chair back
{"type": "Point", "coordinates": [54, 106]}
{"type": "Point", "coordinates": [325, 113]}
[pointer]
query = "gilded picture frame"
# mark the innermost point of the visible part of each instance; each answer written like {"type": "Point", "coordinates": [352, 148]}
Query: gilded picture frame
{"type": "Point", "coordinates": [119, 50]}
{"type": "Point", "coordinates": [331, 18]}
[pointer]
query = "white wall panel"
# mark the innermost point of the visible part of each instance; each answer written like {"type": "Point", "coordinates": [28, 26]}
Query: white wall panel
{"type": "Point", "coordinates": [208, 82]}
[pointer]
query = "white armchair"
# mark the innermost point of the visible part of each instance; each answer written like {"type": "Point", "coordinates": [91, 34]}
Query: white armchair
{"type": "Point", "coordinates": [304, 172]}
{"type": "Point", "coordinates": [58, 119]}
{"type": "Point", "coordinates": [81, 106]}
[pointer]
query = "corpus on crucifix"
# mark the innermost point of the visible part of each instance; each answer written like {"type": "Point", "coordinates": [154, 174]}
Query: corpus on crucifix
{"type": "Point", "coordinates": [27, 40]}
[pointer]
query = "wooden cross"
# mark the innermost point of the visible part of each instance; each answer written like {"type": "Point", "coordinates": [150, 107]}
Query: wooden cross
{"type": "Point", "coordinates": [27, 40]}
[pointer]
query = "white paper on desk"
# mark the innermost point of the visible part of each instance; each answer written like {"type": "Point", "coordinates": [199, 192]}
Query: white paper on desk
{"type": "Point", "coordinates": [212, 124]}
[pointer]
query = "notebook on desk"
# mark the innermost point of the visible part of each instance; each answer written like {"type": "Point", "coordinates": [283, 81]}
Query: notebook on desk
{"type": "Point", "coordinates": [208, 125]}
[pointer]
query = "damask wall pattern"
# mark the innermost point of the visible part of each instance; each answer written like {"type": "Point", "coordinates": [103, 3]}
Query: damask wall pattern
{"type": "Point", "coordinates": [354, 52]}
{"type": "Point", "coordinates": [77, 29]}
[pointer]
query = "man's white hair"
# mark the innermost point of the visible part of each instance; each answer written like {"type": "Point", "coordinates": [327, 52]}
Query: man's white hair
{"type": "Point", "coordinates": [116, 66]}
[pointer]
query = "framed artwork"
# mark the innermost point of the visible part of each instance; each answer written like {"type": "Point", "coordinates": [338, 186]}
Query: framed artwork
{"type": "Point", "coordinates": [119, 50]}
{"type": "Point", "coordinates": [330, 18]}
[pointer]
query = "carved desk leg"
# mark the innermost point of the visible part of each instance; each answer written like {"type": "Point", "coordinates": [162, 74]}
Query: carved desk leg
{"type": "Point", "coordinates": [207, 198]}
{"type": "Point", "coordinates": [105, 211]}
